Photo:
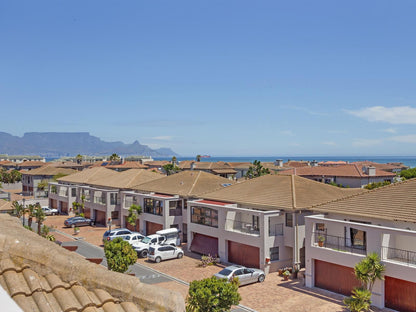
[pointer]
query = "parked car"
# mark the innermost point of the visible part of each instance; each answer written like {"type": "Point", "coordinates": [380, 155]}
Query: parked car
{"type": "Point", "coordinates": [245, 275]}
{"type": "Point", "coordinates": [133, 238]}
{"type": "Point", "coordinates": [49, 211]}
{"type": "Point", "coordinates": [162, 237]}
{"type": "Point", "coordinates": [164, 252]}
{"type": "Point", "coordinates": [78, 221]}
{"type": "Point", "coordinates": [110, 235]}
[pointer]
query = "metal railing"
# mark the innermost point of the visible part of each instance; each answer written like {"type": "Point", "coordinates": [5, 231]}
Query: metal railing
{"type": "Point", "coordinates": [400, 255]}
{"type": "Point", "coordinates": [337, 243]}
{"type": "Point", "coordinates": [99, 200]}
{"type": "Point", "coordinates": [276, 229]}
{"type": "Point", "coordinates": [242, 227]}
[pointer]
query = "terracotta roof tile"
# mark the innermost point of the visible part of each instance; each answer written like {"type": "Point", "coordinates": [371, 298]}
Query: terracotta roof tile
{"type": "Point", "coordinates": [48, 170]}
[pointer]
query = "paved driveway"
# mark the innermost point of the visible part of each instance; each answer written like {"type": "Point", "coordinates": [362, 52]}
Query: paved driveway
{"type": "Point", "coordinates": [273, 295]}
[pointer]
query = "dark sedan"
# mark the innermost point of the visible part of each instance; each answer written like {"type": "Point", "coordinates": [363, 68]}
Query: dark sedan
{"type": "Point", "coordinates": [78, 221]}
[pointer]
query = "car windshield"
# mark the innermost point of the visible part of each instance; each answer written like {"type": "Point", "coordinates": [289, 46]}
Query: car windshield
{"type": "Point", "coordinates": [225, 272]}
{"type": "Point", "coordinates": [146, 240]}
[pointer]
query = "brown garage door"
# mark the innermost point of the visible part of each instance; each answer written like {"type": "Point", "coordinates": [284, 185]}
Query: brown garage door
{"type": "Point", "coordinates": [399, 294]}
{"type": "Point", "coordinates": [334, 277]}
{"type": "Point", "coordinates": [87, 213]}
{"type": "Point", "coordinates": [64, 207]}
{"type": "Point", "coordinates": [135, 227]}
{"type": "Point", "coordinates": [100, 217]}
{"type": "Point", "coordinates": [205, 245]}
{"type": "Point", "coordinates": [152, 228]}
{"type": "Point", "coordinates": [246, 255]}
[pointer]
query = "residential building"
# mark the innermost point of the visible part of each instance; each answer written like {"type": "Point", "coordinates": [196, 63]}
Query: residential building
{"type": "Point", "coordinates": [98, 189]}
{"type": "Point", "coordinates": [29, 165]}
{"type": "Point", "coordinates": [350, 175]}
{"type": "Point", "coordinates": [21, 158]}
{"type": "Point", "coordinates": [258, 222]}
{"type": "Point", "coordinates": [382, 221]}
{"type": "Point", "coordinates": [35, 181]}
{"type": "Point", "coordinates": [40, 275]}
{"type": "Point", "coordinates": [164, 201]}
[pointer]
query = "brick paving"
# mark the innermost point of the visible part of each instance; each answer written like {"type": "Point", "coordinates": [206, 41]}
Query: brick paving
{"type": "Point", "coordinates": [273, 295]}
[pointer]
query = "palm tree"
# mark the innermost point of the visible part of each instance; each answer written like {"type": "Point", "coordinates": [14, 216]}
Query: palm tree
{"type": "Point", "coordinates": [198, 157]}
{"type": "Point", "coordinates": [30, 209]}
{"type": "Point", "coordinates": [18, 210]}
{"type": "Point", "coordinates": [174, 160]}
{"type": "Point", "coordinates": [78, 158]}
{"type": "Point", "coordinates": [40, 217]}
{"type": "Point", "coordinates": [368, 270]}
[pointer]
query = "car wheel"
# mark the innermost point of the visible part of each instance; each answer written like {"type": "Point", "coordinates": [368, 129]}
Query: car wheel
{"type": "Point", "coordinates": [158, 259]}
{"type": "Point", "coordinates": [261, 278]}
{"type": "Point", "coordinates": [143, 254]}
{"type": "Point", "coordinates": [180, 255]}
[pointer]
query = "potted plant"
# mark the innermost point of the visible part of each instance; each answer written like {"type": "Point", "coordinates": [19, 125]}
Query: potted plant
{"type": "Point", "coordinates": [76, 230]}
{"type": "Point", "coordinates": [286, 275]}
{"type": "Point", "coordinates": [321, 240]}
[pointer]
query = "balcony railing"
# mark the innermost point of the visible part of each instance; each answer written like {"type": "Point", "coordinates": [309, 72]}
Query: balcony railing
{"type": "Point", "coordinates": [99, 200]}
{"type": "Point", "coordinates": [400, 255]}
{"type": "Point", "coordinates": [337, 243]}
{"type": "Point", "coordinates": [276, 229]}
{"type": "Point", "coordinates": [243, 227]}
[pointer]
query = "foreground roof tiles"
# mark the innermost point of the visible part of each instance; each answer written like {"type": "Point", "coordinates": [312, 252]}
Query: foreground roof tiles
{"type": "Point", "coordinates": [42, 276]}
{"type": "Point", "coordinates": [393, 202]}
{"type": "Point", "coordinates": [272, 192]}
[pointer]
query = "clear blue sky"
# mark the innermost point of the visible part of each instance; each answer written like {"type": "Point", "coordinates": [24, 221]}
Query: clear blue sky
{"type": "Point", "coordinates": [214, 77]}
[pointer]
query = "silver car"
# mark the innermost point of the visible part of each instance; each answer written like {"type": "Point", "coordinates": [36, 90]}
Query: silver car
{"type": "Point", "coordinates": [158, 253]}
{"type": "Point", "coordinates": [133, 238]}
{"type": "Point", "coordinates": [244, 275]}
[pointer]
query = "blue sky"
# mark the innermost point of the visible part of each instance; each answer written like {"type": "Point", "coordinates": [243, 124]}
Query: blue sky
{"type": "Point", "coordinates": [225, 78]}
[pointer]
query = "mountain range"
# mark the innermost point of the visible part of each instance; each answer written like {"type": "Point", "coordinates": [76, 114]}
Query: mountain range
{"type": "Point", "coordinates": [57, 144]}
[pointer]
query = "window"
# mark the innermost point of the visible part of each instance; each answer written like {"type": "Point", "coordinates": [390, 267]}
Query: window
{"type": "Point", "coordinates": [113, 198]}
{"type": "Point", "coordinates": [289, 219]}
{"type": "Point", "coordinates": [274, 253]}
{"type": "Point", "coordinates": [153, 206]}
{"type": "Point", "coordinates": [358, 238]}
{"type": "Point", "coordinates": [320, 227]}
{"type": "Point", "coordinates": [255, 223]}
{"type": "Point", "coordinates": [185, 204]}
{"type": "Point", "coordinates": [204, 216]}
{"type": "Point", "coordinates": [73, 192]}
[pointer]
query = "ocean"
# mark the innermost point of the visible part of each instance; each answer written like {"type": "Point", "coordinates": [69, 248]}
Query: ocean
{"type": "Point", "coordinates": [409, 161]}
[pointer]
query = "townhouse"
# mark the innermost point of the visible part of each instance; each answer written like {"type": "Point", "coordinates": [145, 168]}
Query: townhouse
{"type": "Point", "coordinates": [35, 181]}
{"type": "Point", "coordinates": [164, 201]}
{"type": "Point", "coordinates": [383, 221]}
{"type": "Point", "coordinates": [350, 175]}
{"type": "Point", "coordinates": [258, 222]}
{"type": "Point", "coordinates": [98, 189]}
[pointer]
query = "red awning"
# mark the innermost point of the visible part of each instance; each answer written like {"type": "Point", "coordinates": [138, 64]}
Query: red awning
{"type": "Point", "coordinates": [206, 245]}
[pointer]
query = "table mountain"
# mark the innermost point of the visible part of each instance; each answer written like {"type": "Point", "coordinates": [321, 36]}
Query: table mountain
{"type": "Point", "coordinates": [56, 144]}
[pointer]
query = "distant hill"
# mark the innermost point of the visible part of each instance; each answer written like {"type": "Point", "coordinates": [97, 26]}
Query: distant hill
{"type": "Point", "coordinates": [57, 144]}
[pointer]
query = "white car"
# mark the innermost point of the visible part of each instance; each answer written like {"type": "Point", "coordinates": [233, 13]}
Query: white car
{"type": "Point", "coordinates": [49, 211]}
{"type": "Point", "coordinates": [158, 253]}
{"type": "Point", "coordinates": [133, 238]}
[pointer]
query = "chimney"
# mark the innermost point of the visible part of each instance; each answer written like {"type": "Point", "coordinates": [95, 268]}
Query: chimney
{"type": "Point", "coordinates": [314, 163]}
{"type": "Point", "coordinates": [192, 165]}
{"type": "Point", "coordinates": [371, 171]}
{"type": "Point", "coordinates": [278, 163]}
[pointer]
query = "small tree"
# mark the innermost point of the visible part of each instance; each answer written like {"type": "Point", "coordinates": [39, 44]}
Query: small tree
{"type": "Point", "coordinates": [134, 212]}
{"type": "Point", "coordinates": [42, 185]}
{"type": "Point", "coordinates": [18, 210]}
{"type": "Point", "coordinates": [30, 210]}
{"type": "Point", "coordinates": [212, 295]}
{"type": "Point", "coordinates": [408, 173]}
{"type": "Point", "coordinates": [119, 254]}
{"type": "Point", "coordinates": [198, 157]}
{"type": "Point", "coordinates": [359, 301]}
{"type": "Point", "coordinates": [78, 159]}
{"type": "Point", "coordinates": [114, 157]}
{"type": "Point", "coordinates": [170, 169]}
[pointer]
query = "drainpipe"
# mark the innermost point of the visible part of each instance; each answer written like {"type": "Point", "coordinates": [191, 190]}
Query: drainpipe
{"type": "Point", "coordinates": [296, 247]}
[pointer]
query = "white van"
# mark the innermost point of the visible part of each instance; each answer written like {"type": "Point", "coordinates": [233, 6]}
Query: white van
{"type": "Point", "coordinates": [162, 237]}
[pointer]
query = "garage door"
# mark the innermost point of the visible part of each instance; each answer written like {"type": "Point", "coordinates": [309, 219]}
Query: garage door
{"type": "Point", "coordinates": [246, 255]}
{"type": "Point", "coordinates": [205, 245]}
{"type": "Point", "coordinates": [152, 228]}
{"type": "Point", "coordinates": [87, 213]}
{"type": "Point", "coordinates": [399, 294]}
{"type": "Point", "coordinates": [135, 227]}
{"type": "Point", "coordinates": [334, 277]}
{"type": "Point", "coordinates": [64, 207]}
{"type": "Point", "coordinates": [100, 218]}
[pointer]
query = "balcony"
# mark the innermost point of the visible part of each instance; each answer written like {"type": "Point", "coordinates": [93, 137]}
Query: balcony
{"type": "Point", "coordinates": [99, 200]}
{"type": "Point", "coordinates": [337, 243]}
{"type": "Point", "coordinates": [399, 255]}
{"type": "Point", "coordinates": [242, 227]}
